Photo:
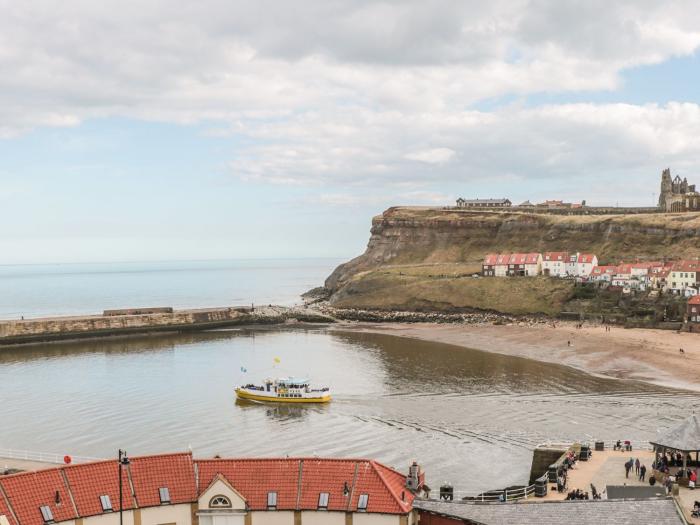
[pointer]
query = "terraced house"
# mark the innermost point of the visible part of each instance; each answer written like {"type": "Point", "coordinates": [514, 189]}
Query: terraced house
{"type": "Point", "coordinates": [175, 489]}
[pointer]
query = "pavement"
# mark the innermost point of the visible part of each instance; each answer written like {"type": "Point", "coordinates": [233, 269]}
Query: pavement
{"type": "Point", "coordinates": [23, 464]}
{"type": "Point", "coordinates": [608, 468]}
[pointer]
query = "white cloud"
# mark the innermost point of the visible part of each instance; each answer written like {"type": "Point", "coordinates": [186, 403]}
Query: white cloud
{"type": "Point", "coordinates": [355, 92]}
{"type": "Point", "coordinates": [432, 156]}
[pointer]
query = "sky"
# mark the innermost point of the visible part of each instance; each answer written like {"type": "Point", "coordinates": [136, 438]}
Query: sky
{"type": "Point", "coordinates": [186, 130]}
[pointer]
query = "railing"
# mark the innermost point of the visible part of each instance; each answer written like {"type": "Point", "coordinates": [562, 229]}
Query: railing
{"type": "Point", "coordinates": [43, 457]}
{"type": "Point", "coordinates": [497, 495]}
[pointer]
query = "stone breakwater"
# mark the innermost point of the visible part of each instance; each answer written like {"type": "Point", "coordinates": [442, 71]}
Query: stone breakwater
{"type": "Point", "coordinates": [75, 327]}
{"type": "Point", "coordinates": [393, 316]}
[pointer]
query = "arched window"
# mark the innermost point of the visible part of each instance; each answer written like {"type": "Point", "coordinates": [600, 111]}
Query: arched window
{"type": "Point", "coordinates": [220, 502]}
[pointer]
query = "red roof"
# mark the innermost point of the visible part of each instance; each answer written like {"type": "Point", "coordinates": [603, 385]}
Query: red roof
{"type": "Point", "coordinates": [89, 481]}
{"type": "Point", "coordinates": [686, 266]}
{"type": "Point", "coordinates": [694, 300]}
{"type": "Point", "coordinates": [503, 258]}
{"type": "Point", "coordinates": [586, 258]}
{"type": "Point", "coordinates": [490, 259]}
{"type": "Point", "coordinates": [532, 258]}
{"type": "Point", "coordinates": [604, 270]}
{"type": "Point", "coordinates": [297, 481]}
{"type": "Point", "coordinates": [28, 491]}
{"type": "Point", "coordinates": [556, 256]}
{"type": "Point", "coordinates": [517, 258]}
{"type": "Point", "coordinates": [254, 478]}
{"type": "Point", "coordinates": [174, 471]}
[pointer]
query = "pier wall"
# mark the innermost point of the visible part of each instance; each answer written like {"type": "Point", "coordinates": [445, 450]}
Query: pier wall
{"type": "Point", "coordinates": [46, 329]}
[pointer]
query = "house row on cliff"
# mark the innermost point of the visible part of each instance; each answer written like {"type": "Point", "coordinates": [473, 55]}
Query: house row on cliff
{"type": "Point", "coordinates": [552, 264]}
{"type": "Point", "coordinates": [679, 277]}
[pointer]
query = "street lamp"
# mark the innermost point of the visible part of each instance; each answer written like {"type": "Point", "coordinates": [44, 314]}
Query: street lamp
{"type": "Point", "coordinates": [122, 462]}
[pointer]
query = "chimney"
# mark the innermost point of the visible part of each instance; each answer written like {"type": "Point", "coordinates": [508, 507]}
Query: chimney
{"type": "Point", "coordinates": [414, 480]}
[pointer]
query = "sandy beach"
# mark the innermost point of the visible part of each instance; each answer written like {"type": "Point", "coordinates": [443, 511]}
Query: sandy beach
{"type": "Point", "coordinates": [645, 355]}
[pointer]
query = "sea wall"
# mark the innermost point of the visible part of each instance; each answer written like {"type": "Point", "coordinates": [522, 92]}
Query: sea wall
{"type": "Point", "coordinates": [56, 328]}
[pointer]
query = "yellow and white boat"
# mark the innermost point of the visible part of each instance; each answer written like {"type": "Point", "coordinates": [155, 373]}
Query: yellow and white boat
{"type": "Point", "coordinates": [284, 390]}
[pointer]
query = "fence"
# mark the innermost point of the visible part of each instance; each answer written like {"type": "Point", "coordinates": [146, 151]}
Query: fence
{"type": "Point", "coordinates": [42, 457]}
{"type": "Point", "coordinates": [512, 494]}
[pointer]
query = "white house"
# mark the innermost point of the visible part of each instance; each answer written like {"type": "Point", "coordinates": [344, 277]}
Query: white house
{"type": "Point", "coordinates": [554, 263]}
{"type": "Point", "coordinates": [581, 264]}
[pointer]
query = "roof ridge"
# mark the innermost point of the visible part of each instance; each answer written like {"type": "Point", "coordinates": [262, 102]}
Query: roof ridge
{"type": "Point", "coordinates": [375, 464]}
{"type": "Point", "coordinates": [290, 458]}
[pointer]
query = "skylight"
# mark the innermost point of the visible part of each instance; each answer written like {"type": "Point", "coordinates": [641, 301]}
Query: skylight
{"type": "Point", "coordinates": [46, 513]}
{"type": "Point", "coordinates": [323, 500]}
{"type": "Point", "coordinates": [271, 500]}
{"type": "Point", "coordinates": [106, 503]}
{"type": "Point", "coordinates": [164, 494]}
{"type": "Point", "coordinates": [362, 502]}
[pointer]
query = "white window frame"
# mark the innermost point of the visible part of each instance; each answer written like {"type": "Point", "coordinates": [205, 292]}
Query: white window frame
{"type": "Point", "coordinates": [106, 503]}
{"type": "Point", "coordinates": [164, 494]}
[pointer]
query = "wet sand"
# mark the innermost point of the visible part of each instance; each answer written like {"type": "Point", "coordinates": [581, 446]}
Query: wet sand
{"type": "Point", "coordinates": [640, 354]}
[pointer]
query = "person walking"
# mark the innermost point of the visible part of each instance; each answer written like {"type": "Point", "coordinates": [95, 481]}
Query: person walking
{"type": "Point", "coordinates": [628, 467]}
{"type": "Point", "coordinates": [636, 467]}
{"type": "Point", "coordinates": [642, 472]}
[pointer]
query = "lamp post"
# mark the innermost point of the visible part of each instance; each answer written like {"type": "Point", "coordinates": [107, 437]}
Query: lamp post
{"type": "Point", "coordinates": [122, 462]}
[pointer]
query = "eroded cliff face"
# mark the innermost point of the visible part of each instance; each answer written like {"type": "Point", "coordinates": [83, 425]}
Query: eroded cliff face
{"type": "Point", "coordinates": [404, 236]}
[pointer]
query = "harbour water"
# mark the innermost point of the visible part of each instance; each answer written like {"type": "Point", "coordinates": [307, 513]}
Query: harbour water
{"type": "Point", "coordinates": [469, 417]}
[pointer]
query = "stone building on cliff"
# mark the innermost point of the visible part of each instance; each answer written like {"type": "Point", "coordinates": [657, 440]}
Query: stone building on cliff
{"type": "Point", "coordinates": [677, 195]}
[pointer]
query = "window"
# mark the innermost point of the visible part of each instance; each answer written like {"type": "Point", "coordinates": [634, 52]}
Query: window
{"type": "Point", "coordinates": [164, 495]}
{"type": "Point", "coordinates": [106, 503]}
{"type": "Point", "coordinates": [272, 500]}
{"type": "Point", "coordinates": [46, 513]}
{"type": "Point", "coordinates": [362, 502]}
{"type": "Point", "coordinates": [323, 500]}
{"type": "Point", "coordinates": [218, 502]}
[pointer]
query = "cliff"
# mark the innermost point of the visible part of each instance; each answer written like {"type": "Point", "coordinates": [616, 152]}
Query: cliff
{"type": "Point", "coordinates": [422, 258]}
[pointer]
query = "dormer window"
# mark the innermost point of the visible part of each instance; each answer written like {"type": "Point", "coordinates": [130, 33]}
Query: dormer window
{"type": "Point", "coordinates": [164, 494]}
{"type": "Point", "coordinates": [271, 500]}
{"type": "Point", "coordinates": [46, 513]}
{"type": "Point", "coordinates": [362, 502]}
{"type": "Point", "coordinates": [106, 503]}
{"type": "Point", "coordinates": [323, 500]}
{"type": "Point", "coordinates": [220, 502]}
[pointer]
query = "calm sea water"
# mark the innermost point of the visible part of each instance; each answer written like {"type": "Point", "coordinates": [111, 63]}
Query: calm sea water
{"type": "Point", "coordinates": [65, 289]}
{"type": "Point", "coordinates": [470, 418]}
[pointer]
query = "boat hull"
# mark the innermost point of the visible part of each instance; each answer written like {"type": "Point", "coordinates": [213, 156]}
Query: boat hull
{"type": "Point", "coordinates": [245, 394]}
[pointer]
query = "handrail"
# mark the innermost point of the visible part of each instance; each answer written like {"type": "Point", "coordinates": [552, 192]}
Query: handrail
{"type": "Point", "coordinates": [43, 457]}
{"type": "Point", "coordinates": [500, 495]}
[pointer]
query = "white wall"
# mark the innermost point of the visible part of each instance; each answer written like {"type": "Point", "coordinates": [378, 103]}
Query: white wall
{"type": "Point", "coordinates": [273, 517]}
{"type": "Point", "coordinates": [322, 518]}
{"type": "Point", "coordinates": [180, 514]}
{"type": "Point", "coordinates": [110, 518]}
{"type": "Point", "coordinates": [362, 518]}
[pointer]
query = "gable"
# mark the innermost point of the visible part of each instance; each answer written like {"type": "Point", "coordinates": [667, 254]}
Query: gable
{"type": "Point", "coordinates": [219, 487]}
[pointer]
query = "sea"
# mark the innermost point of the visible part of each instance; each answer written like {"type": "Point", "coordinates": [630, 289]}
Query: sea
{"type": "Point", "coordinates": [470, 418]}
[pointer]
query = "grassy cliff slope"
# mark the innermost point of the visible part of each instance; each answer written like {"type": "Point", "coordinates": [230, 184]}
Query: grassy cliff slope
{"type": "Point", "coordinates": [421, 258]}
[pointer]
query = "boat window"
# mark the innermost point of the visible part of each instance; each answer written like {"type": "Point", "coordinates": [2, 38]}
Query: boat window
{"type": "Point", "coordinates": [272, 500]}
{"type": "Point", "coordinates": [323, 500]}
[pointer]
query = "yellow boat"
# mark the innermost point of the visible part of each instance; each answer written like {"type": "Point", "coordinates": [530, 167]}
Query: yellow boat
{"type": "Point", "coordinates": [284, 390]}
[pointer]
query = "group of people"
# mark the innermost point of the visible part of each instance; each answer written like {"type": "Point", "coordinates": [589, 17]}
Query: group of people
{"type": "Point", "coordinates": [577, 494]}
{"type": "Point", "coordinates": [640, 470]}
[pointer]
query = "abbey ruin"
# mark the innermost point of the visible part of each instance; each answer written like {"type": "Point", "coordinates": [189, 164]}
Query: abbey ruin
{"type": "Point", "coordinates": [677, 195]}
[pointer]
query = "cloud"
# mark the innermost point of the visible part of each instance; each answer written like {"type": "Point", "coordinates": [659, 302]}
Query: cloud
{"type": "Point", "coordinates": [432, 156]}
{"type": "Point", "coordinates": [360, 92]}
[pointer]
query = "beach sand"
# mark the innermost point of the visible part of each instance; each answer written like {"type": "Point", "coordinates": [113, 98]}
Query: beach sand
{"type": "Point", "coordinates": [640, 354]}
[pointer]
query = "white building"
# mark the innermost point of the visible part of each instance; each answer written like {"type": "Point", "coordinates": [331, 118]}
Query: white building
{"type": "Point", "coordinates": [554, 263]}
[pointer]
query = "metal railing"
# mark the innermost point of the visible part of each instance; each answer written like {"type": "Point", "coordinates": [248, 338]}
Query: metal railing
{"type": "Point", "coordinates": [43, 457]}
{"type": "Point", "coordinates": [497, 495]}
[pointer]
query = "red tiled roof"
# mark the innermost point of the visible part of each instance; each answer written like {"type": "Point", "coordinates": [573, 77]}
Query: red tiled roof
{"type": "Point", "coordinates": [686, 266]}
{"type": "Point", "coordinates": [532, 258]}
{"type": "Point", "coordinates": [28, 491]}
{"type": "Point", "coordinates": [604, 270]}
{"type": "Point", "coordinates": [503, 258]}
{"type": "Point", "coordinates": [586, 258]}
{"type": "Point", "coordinates": [517, 258]}
{"type": "Point", "coordinates": [254, 478]}
{"type": "Point", "coordinates": [174, 471]}
{"type": "Point", "coordinates": [694, 300]}
{"type": "Point", "coordinates": [490, 259]}
{"type": "Point", "coordinates": [89, 481]}
{"type": "Point", "coordinates": [5, 511]}
{"type": "Point", "coordinates": [556, 256]}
